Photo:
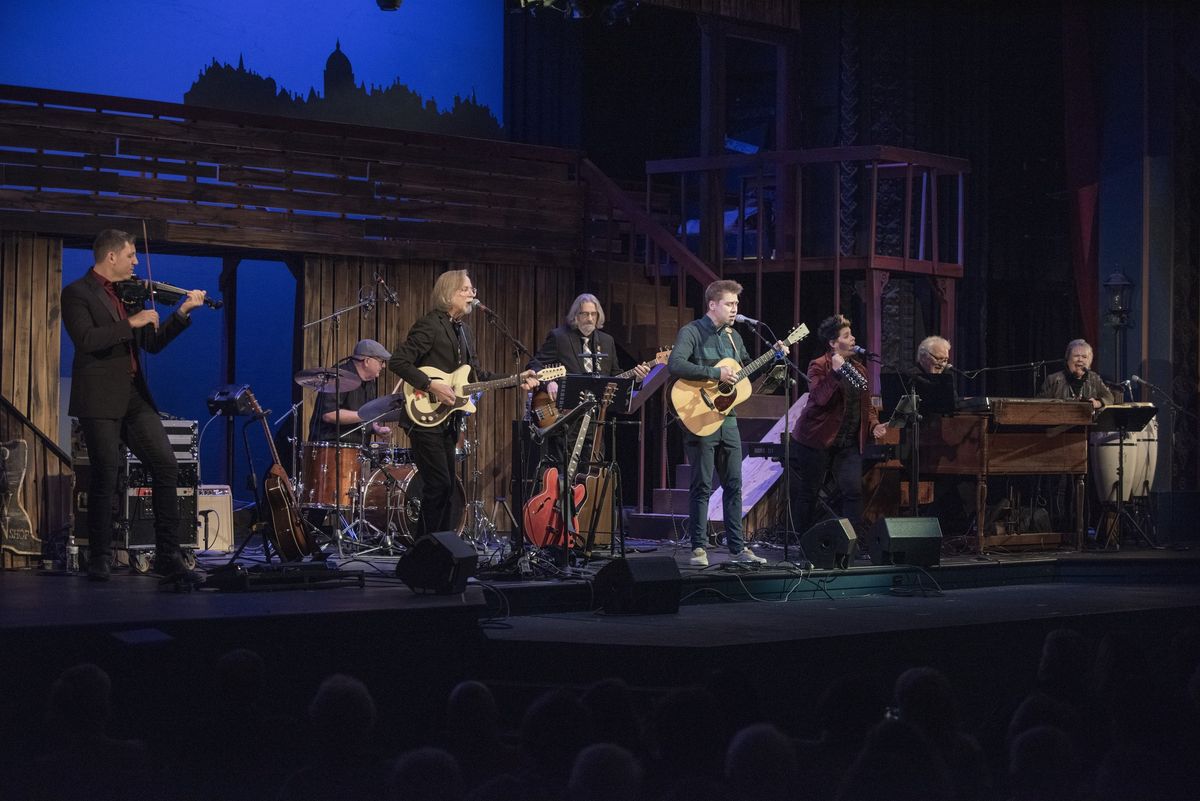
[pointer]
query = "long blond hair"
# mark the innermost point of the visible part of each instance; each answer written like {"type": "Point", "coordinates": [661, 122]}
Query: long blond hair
{"type": "Point", "coordinates": [445, 286]}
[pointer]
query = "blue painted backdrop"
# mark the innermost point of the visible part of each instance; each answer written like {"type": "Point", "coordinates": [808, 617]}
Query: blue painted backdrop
{"type": "Point", "coordinates": [431, 50]}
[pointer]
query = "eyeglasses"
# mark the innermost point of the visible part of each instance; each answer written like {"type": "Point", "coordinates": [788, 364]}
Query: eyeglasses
{"type": "Point", "coordinates": [588, 314]}
{"type": "Point", "coordinates": [470, 290]}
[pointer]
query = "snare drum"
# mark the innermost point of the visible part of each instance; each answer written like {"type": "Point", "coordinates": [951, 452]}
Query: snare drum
{"type": "Point", "coordinates": [327, 470]}
{"type": "Point", "coordinates": [391, 500]}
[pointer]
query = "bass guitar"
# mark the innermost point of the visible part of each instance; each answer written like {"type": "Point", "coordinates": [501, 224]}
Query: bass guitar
{"type": "Point", "coordinates": [702, 405]}
{"type": "Point", "coordinates": [290, 538]}
{"type": "Point", "coordinates": [427, 411]}
{"type": "Point", "coordinates": [542, 515]}
{"type": "Point", "coordinates": [543, 410]}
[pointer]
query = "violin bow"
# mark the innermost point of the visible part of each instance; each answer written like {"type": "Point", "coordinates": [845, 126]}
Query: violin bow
{"type": "Point", "coordinates": [149, 272]}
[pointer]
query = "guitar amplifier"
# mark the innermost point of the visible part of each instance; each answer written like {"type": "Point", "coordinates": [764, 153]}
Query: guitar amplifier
{"type": "Point", "coordinates": [214, 503]}
{"type": "Point", "coordinates": [139, 515]}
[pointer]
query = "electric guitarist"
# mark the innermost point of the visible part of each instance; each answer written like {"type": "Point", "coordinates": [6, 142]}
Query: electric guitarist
{"type": "Point", "coordinates": [441, 340]}
{"type": "Point", "coordinates": [699, 347]}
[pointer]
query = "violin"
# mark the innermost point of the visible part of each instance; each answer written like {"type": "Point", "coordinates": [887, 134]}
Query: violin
{"type": "Point", "coordinates": [136, 292]}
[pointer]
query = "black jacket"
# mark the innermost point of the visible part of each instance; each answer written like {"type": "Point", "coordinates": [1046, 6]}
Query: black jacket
{"type": "Point", "coordinates": [432, 342]}
{"type": "Point", "coordinates": [563, 346]}
{"type": "Point", "coordinates": [100, 371]}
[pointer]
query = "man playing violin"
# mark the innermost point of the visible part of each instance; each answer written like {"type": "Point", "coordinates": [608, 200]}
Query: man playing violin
{"type": "Point", "coordinates": [112, 400]}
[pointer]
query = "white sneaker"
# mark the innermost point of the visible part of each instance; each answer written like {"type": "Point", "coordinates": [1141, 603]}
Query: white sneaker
{"type": "Point", "coordinates": [699, 558]}
{"type": "Point", "coordinates": [748, 556]}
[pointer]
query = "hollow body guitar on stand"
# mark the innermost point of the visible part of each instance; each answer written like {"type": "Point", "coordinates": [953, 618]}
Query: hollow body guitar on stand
{"type": "Point", "coordinates": [426, 411]}
{"type": "Point", "coordinates": [290, 538]}
{"type": "Point", "coordinates": [543, 518]}
{"type": "Point", "coordinates": [544, 412]}
{"type": "Point", "coordinates": [702, 405]}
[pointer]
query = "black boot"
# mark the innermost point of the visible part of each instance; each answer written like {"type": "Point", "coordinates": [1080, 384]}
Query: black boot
{"type": "Point", "coordinates": [173, 572]}
{"type": "Point", "coordinates": [99, 568]}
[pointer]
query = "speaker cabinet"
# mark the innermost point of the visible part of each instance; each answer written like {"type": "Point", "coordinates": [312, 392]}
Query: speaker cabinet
{"type": "Point", "coordinates": [438, 563]}
{"type": "Point", "coordinates": [214, 514]}
{"type": "Point", "coordinates": [647, 585]}
{"type": "Point", "coordinates": [830, 544]}
{"type": "Point", "coordinates": [1175, 514]}
{"type": "Point", "coordinates": [906, 541]}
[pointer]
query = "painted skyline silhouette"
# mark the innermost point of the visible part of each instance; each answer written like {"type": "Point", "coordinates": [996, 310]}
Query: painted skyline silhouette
{"type": "Point", "coordinates": [343, 100]}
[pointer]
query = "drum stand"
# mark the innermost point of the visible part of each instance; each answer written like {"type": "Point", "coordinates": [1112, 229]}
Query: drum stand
{"type": "Point", "coordinates": [480, 530]}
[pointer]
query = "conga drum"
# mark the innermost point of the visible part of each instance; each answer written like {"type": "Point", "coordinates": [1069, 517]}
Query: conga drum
{"type": "Point", "coordinates": [1148, 456]}
{"type": "Point", "coordinates": [1105, 449]}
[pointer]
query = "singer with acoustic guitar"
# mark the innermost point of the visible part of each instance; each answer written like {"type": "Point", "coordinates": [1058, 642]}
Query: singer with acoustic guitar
{"type": "Point", "coordinates": [112, 400]}
{"type": "Point", "coordinates": [699, 346]}
{"type": "Point", "coordinates": [834, 428]}
{"type": "Point", "coordinates": [438, 344]}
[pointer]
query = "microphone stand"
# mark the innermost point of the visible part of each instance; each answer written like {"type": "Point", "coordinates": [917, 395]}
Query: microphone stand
{"type": "Point", "coordinates": [517, 535]}
{"type": "Point", "coordinates": [1034, 366]}
{"type": "Point", "coordinates": [787, 440]}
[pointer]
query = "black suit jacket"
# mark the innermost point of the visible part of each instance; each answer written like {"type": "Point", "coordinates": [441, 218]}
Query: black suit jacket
{"type": "Point", "coordinates": [432, 342]}
{"type": "Point", "coordinates": [563, 346]}
{"type": "Point", "coordinates": [100, 383]}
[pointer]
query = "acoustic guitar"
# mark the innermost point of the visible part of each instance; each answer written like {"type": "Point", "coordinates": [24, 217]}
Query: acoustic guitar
{"type": "Point", "coordinates": [543, 411]}
{"type": "Point", "coordinates": [290, 538]}
{"type": "Point", "coordinates": [702, 405]}
{"type": "Point", "coordinates": [427, 411]}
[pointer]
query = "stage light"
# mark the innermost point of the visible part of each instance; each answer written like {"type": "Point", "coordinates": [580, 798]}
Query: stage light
{"type": "Point", "coordinates": [388, 5]}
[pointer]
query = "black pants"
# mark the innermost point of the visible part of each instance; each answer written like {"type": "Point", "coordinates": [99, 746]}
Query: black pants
{"type": "Point", "coordinates": [810, 466]}
{"type": "Point", "coordinates": [433, 454]}
{"type": "Point", "coordinates": [141, 429]}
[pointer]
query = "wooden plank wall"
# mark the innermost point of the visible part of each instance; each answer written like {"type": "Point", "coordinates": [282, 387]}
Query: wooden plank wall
{"type": "Point", "coordinates": [30, 340]}
{"type": "Point", "coordinates": [530, 300]}
{"type": "Point", "coordinates": [74, 164]}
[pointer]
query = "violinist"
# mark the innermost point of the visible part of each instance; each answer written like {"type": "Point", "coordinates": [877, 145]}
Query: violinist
{"type": "Point", "coordinates": [111, 398]}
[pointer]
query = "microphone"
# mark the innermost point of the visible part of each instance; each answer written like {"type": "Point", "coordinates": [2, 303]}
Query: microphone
{"type": "Point", "coordinates": [476, 303]}
{"type": "Point", "coordinates": [1138, 380]}
{"type": "Point", "coordinates": [861, 351]}
{"type": "Point", "coordinates": [741, 318]}
{"type": "Point", "coordinates": [388, 293]}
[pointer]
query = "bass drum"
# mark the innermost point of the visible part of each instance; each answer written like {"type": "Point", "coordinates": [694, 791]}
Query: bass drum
{"type": "Point", "coordinates": [391, 501]}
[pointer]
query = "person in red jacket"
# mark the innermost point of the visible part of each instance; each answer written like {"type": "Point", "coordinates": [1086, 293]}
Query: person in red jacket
{"type": "Point", "coordinates": [833, 428]}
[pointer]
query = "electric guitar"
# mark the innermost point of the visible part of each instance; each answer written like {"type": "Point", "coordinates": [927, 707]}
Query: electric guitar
{"type": "Point", "coordinates": [290, 538]}
{"type": "Point", "coordinates": [702, 405]}
{"type": "Point", "coordinates": [544, 523]}
{"type": "Point", "coordinates": [427, 411]}
{"type": "Point", "coordinates": [543, 410]}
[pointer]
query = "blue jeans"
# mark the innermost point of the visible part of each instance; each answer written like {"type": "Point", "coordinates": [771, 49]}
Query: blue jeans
{"type": "Point", "coordinates": [810, 466]}
{"type": "Point", "coordinates": [720, 451]}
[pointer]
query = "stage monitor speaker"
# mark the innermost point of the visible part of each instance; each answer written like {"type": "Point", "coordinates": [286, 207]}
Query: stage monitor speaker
{"type": "Point", "coordinates": [438, 563]}
{"type": "Point", "coordinates": [647, 585]}
{"type": "Point", "coordinates": [1175, 513]}
{"type": "Point", "coordinates": [830, 544]}
{"type": "Point", "coordinates": [906, 541]}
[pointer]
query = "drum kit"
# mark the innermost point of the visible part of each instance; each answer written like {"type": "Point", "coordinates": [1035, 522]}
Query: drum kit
{"type": "Point", "coordinates": [372, 492]}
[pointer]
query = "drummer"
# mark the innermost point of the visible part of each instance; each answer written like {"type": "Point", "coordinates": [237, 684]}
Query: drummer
{"type": "Point", "coordinates": [337, 412]}
{"type": "Point", "coordinates": [1077, 381]}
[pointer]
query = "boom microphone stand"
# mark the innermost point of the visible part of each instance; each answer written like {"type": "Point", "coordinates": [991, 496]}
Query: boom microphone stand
{"type": "Point", "coordinates": [788, 531]}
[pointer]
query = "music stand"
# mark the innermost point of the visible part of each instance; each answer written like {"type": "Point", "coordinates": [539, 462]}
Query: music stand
{"type": "Point", "coordinates": [937, 393]}
{"type": "Point", "coordinates": [1122, 418]}
{"type": "Point", "coordinates": [573, 389]}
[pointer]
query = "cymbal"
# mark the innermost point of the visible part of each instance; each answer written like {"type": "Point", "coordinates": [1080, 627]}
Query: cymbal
{"type": "Point", "coordinates": [321, 379]}
{"type": "Point", "coordinates": [384, 409]}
